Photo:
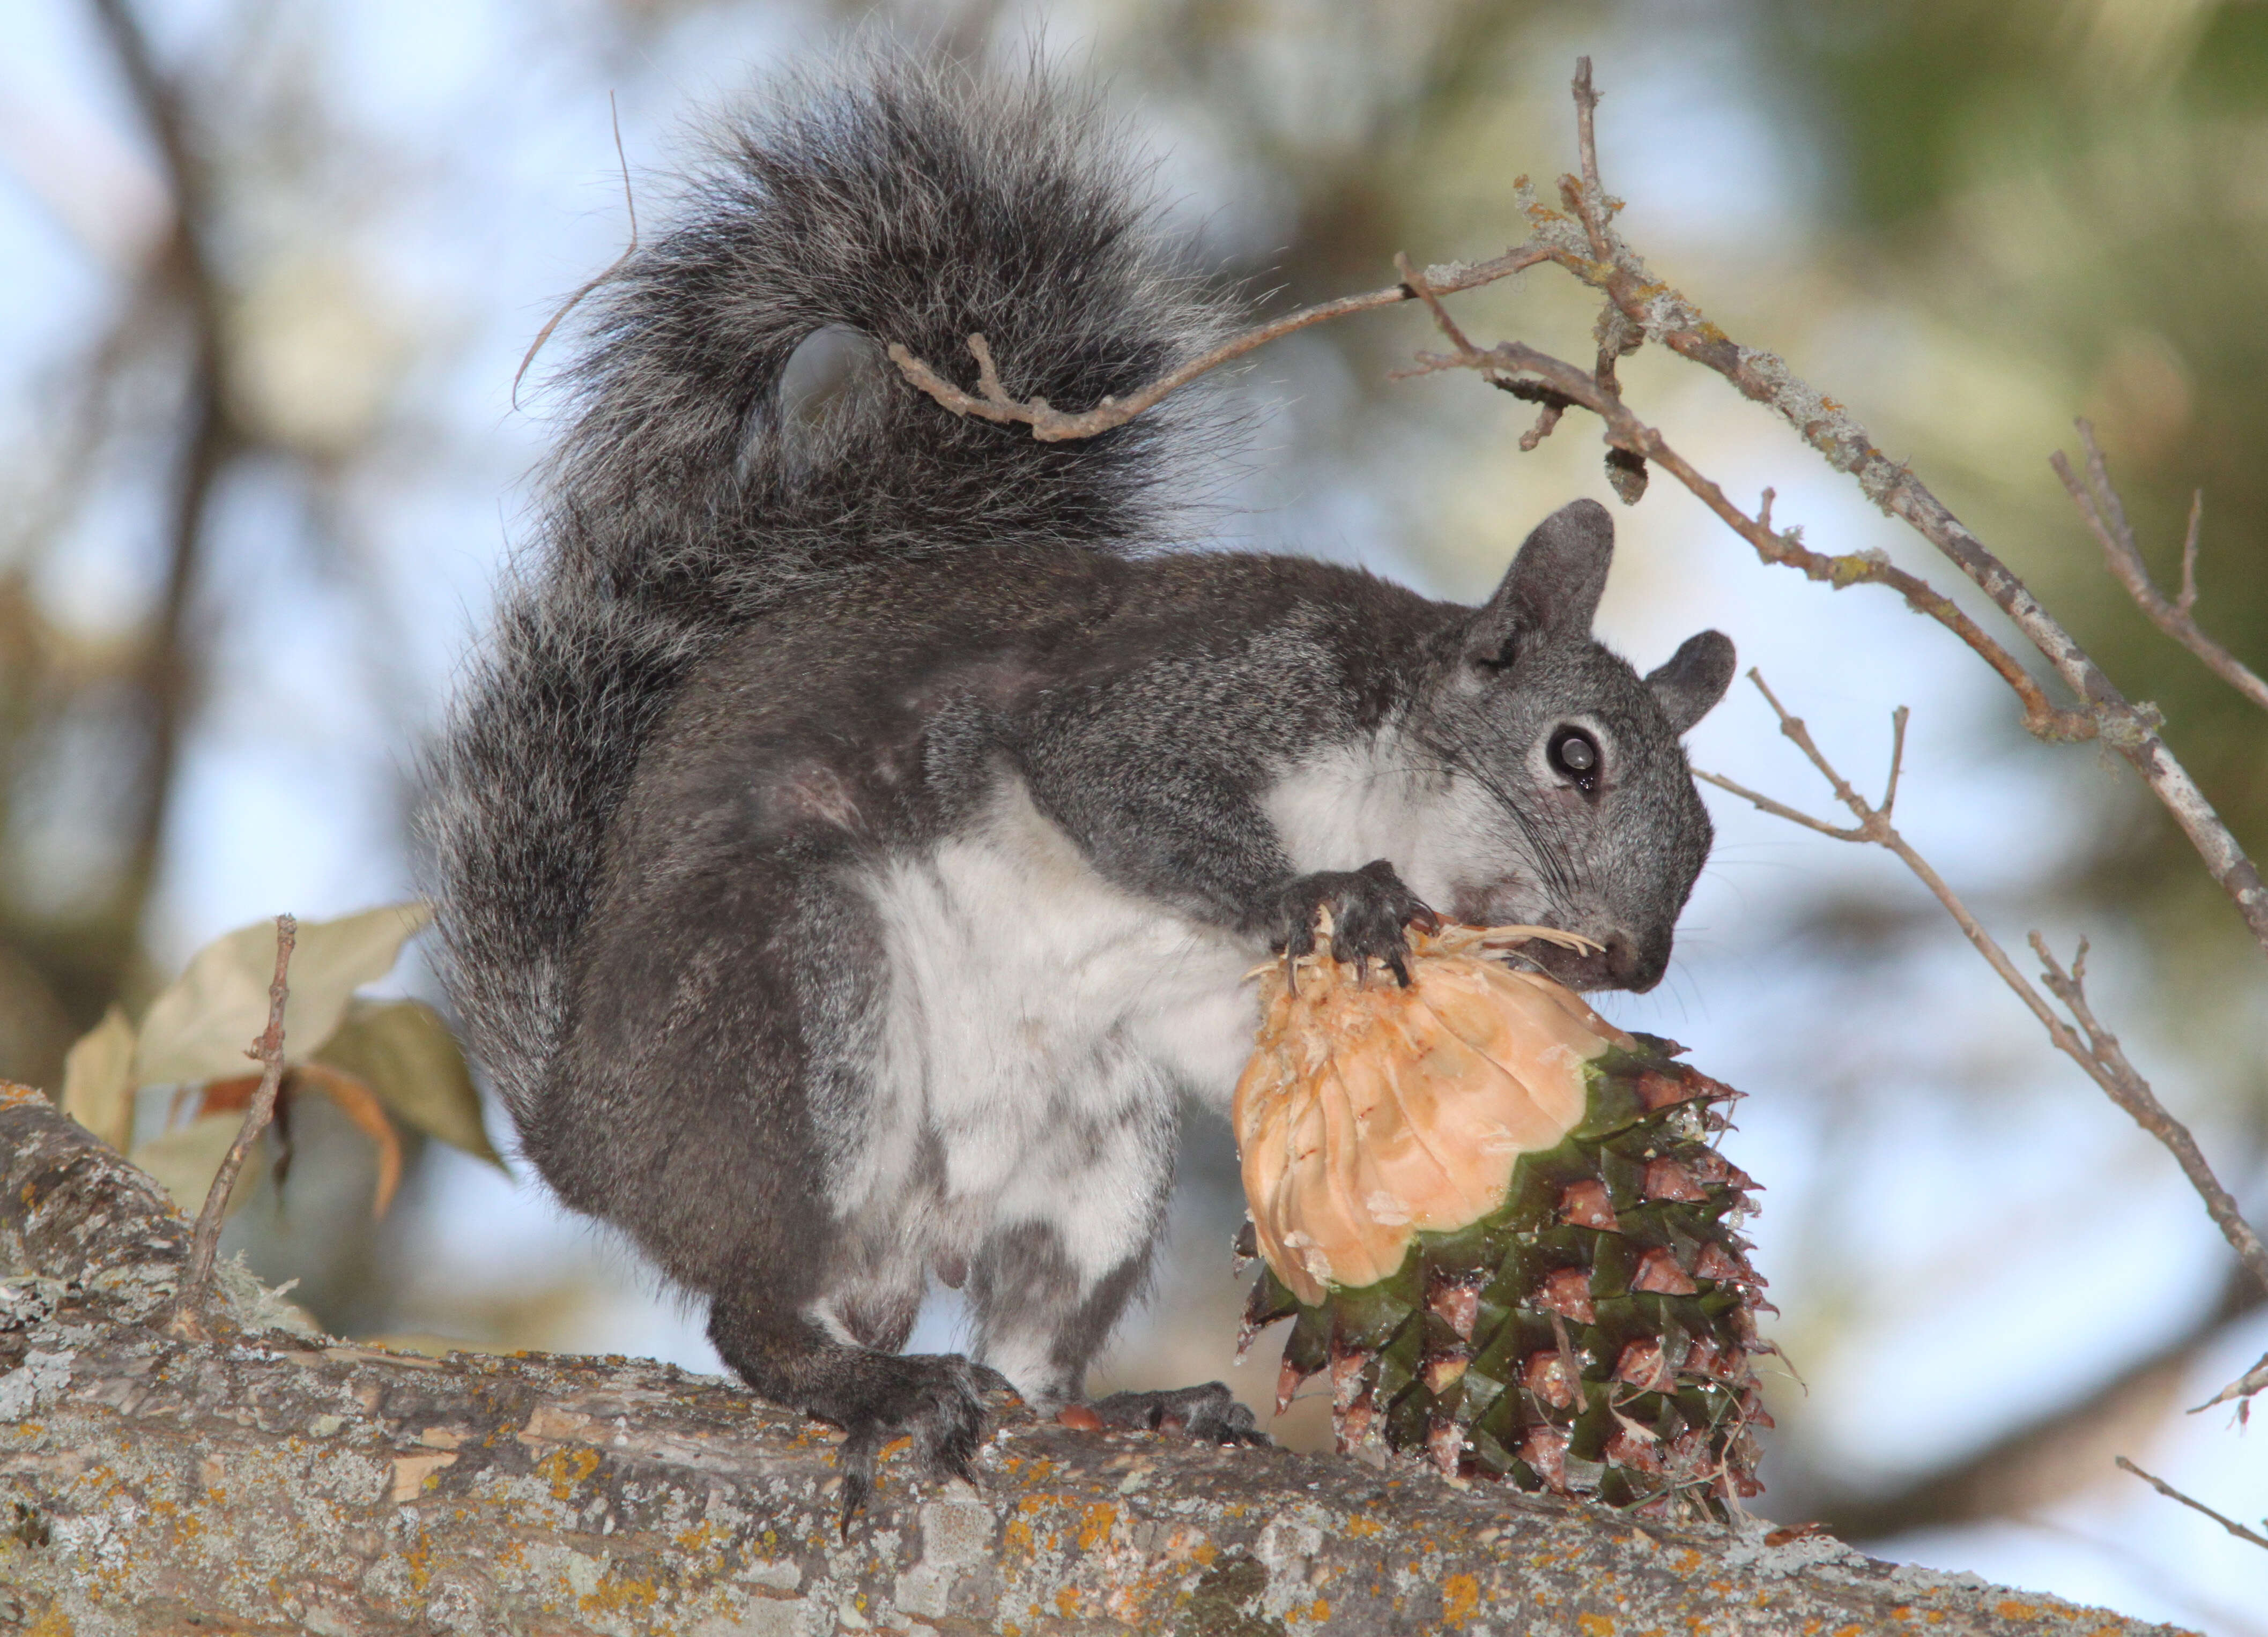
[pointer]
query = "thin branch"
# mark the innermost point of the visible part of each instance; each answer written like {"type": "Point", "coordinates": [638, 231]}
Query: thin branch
{"type": "Point", "coordinates": [1897, 759]}
{"type": "Point", "coordinates": [1516, 364]}
{"type": "Point", "coordinates": [189, 1304]}
{"type": "Point", "coordinates": [1617, 337]}
{"type": "Point", "coordinates": [2188, 598]}
{"type": "Point", "coordinates": [992, 402]}
{"type": "Point", "coordinates": [2097, 1052]}
{"type": "Point", "coordinates": [1780, 810]}
{"type": "Point", "coordinates": [2172, 1493]}
{"type": "Point", "coordinates": [2254, 1380]}
{"type": "Point", "coordinates": [1593, 207]}
{"type": "Point", "coordinates": [2105, 515]}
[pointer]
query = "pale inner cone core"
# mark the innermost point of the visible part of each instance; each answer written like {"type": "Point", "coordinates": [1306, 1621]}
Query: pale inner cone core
{"type": "Point", "coordinates": [1369, 1112]}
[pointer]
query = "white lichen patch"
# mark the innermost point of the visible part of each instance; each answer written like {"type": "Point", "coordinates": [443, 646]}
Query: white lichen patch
{"type": "Point", "coordinates": [42, 1378]}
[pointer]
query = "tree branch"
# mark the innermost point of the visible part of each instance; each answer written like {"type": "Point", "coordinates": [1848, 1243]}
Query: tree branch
{"type": "Point", "coordinates": [2172, 1493]}
{"type": "Point", "coordinates": [991, 401]}
{"type": "Point", "coordinates": [271, 1480]}
{"type": "Point", "coordinates": [1514, 365]}
{"type": "Point", "coordinates": [2093, 1046]}
{"type": "Point", "coordinates": [1664, 315]}
{"type": "Point", "coordinates": [190, 1306]}
{"type": "Point", "coordinates": [2105, 514]}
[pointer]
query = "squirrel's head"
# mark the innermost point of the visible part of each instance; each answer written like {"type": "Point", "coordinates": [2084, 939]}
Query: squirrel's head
{"type": "Point", "coordinates": [1561, 795]}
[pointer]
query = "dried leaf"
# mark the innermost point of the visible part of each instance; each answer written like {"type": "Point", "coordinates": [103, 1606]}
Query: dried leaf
{"type": "Point", "coordinates": [403, 1052]}
{"type": "Point", "coordinates": [186, 1160]}
{"type": "Point", "coordinates": [200, 1028]}
{"type": "Point", "coordinates": [99, 1080]}
{"type": "Point", "coordinates": [230, 1097]}
{"type": "Point", "coordinates": [357, 1103]}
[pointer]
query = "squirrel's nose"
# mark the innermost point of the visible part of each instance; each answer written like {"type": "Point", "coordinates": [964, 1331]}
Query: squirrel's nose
{"type": "Point", "coordinates": [1630, 968]}
{"type": "Point", "coordinates": [1624, 964]}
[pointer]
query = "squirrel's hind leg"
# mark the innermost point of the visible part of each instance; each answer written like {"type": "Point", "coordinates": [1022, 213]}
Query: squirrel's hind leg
{"type": "Point", "coordinates": [727, 1024]}
{"type": "Point", "coordinates": [1073, 1249]}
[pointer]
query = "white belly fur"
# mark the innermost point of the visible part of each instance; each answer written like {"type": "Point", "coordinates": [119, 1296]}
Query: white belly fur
{"type": "Point", "coordinates": [1032, 1005]}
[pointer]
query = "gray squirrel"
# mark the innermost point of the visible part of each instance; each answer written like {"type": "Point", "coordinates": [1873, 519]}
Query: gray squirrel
{"type": "Point", "coordinates": [852, 841]}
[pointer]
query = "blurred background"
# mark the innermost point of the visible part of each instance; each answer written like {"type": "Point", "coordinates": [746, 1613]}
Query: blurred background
{"type": "Point", "coordinates": [272, 266]}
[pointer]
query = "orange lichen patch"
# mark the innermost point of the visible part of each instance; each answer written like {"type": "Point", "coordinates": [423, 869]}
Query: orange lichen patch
{"type": "Point", "coordinates": [566, 1469]}
{"type": "Point", "coordinates": [1594, 1626]}
{"type": "Point", "coordinates": [1460, 1597]}
{"type": "Point", "coordinates": [419, 1561]}
{"type": "Point", "coordinates": [1370, 1111]}
{"type": "Point", "coordinates": [1095, 1524]}
{"type": "Point", "coordinates": [1067, 1602]}
{"type": "Point", "coordinates": [611, 1596]}
{"type": "Point", "coordinates": [2009, 1609]}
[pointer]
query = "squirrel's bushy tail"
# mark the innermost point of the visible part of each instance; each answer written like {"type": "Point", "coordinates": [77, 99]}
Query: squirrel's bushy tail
{"type": "Point", "coordinates": [894, 203]}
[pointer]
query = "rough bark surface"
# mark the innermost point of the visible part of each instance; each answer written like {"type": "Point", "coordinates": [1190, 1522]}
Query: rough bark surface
{"type": "Point", "coordinates": [270, 1481]}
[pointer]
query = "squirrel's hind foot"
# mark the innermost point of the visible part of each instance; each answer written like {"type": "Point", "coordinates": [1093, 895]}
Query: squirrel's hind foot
{"type": "Point", "coordinates": [935, 1399]}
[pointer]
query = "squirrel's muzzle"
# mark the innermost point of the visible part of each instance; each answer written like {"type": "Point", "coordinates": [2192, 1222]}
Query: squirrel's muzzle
{"type": "Point", "coordinates": [1622, 964]}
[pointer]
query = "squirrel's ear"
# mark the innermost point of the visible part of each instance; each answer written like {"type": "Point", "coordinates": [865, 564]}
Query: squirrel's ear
{"type": "Point", "coordinates": [1552, 588]}
{"type": "Point", "coordinates": [1696, 678]}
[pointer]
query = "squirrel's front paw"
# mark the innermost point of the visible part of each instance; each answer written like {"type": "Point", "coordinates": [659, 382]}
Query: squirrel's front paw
{"type": "Point", "coordinates": [1370, 907]}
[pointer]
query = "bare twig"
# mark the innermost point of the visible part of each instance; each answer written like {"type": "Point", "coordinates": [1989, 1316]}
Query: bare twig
{"type": "Point", "coordinates": [629, 204]}
{"type": "Point", "coordinates": [1591, 201]}
{"type": "Point", "coordinates": [2254, 1380]}
{"type": "Point", "coordinates": [992, 402]}
{"type": "Point", "coordinates": [2096, 1050]}
{"type": "Point", "coordinates": [1515, 365]}
{"type": "Point", "coordinates": [191, 1299]}
{"type": "Point", "coordinates": [2105, 514]}
{"type": "Point", "coordinates": [1617, 335]}
{"type": "Point", "coordinates": [2172, 1493]}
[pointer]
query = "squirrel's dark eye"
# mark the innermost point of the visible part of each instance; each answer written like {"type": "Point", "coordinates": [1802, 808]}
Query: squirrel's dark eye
{"type": "Point", "coordinates": [1575, 754]}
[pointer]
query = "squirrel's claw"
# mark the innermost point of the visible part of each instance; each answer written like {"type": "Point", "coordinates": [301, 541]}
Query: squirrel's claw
{"type": "Point", "coordinates": [1371, 909]}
